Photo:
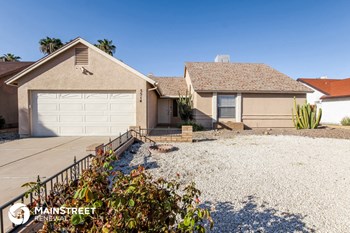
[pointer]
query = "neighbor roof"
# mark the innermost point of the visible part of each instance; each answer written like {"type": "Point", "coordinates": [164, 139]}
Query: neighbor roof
{"type": "Point", "coordinates": [171, 86]}
{"type": "Point", "coordinates": [68, 46]}
{"type": "Point", "coordinates": [11, 68]}
{"type": "Point", "coordinates": [243, 77]}
{"type": "Point", "coordinates": [332, 88]}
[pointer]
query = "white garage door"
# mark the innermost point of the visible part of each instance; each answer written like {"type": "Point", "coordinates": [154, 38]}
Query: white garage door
{"type": "Point", "coordinates": [82, 113]}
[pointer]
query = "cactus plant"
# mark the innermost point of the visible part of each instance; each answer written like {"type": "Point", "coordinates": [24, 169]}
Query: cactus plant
{"type": "Point", "coordinates": [185, 106]}
{"type": "Point", "coordinates": [306, 116]}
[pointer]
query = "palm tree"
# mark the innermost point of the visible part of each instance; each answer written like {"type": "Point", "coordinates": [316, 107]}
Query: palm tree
{"type": "Point", "coordinates": [49, 45]}
{"type": "Point", "coordinates": [106, 46]}
{"type": "Point", "coordinates": [10, 57]}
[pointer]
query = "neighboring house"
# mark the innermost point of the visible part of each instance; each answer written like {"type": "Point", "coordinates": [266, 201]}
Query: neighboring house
{"type": "Point", "coordinates": [8, 94]}
{"type": "Point", "coordinates": [332, 95]}
{"type": "Point", "coordinates": [81, 90]}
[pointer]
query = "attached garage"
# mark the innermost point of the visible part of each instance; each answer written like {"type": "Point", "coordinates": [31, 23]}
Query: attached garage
{"type": "Point", "coordinates": [89, 93]}
{"type": "Point", "coordinates": [58, 113]}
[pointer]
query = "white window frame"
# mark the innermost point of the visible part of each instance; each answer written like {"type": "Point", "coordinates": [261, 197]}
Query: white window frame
{"type": "Point", "coordinates": [233, 105]}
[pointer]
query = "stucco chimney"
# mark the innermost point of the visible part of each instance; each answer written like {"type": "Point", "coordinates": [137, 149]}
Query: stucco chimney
{"type": "Point", "coordinates": [323, 77]}
{"type": "Point", "coordinates": [222, 58]}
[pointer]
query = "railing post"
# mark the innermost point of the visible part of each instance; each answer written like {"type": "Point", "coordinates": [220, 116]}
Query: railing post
{"type": "Point", "coordinates": [1, 222]}
{"type": "Point", "coordinates": [38, 181]}
{"type": "Point", "coordinates": [75, 168]}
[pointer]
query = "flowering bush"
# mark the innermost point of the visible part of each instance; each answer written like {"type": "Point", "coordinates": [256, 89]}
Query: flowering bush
{"type": "Point", "coordinates": [128, 203]}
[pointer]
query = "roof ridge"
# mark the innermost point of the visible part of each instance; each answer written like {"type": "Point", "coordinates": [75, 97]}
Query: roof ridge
{"type": "Point", "coordinates": [70, 45]}
{"type": "Point", "coordinates": [255, 63]}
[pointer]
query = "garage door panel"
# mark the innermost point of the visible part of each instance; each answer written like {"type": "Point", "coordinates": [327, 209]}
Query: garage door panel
{"type": "Point", "coordinates": [71, 96]}
{"type": "Point", "coordinates": [118, 129]}
{"type": "Point", "coordinates": [43, 96]}
{"type": "Point", "coordinates": [71, 118]}
{"type": "Point", "coordinates": [71, 107]}
{"type": "Point", "coordinates": [96, 96]}
{"type": "Point", "coordinates": [122, 96]}
{"type": "Point", "coordinates": [99, 130]}
{"type": "Point", "coordinates": [41, 129]}
{"type": "Point", "coordinates": [82, 113]}
{"type": "Point", "coordinates": [47, 107]}
{"type": "Point", "coordinates": [124, 107]}
{"type": "Point", "coordinates": [96, 118]}
{"type": "Point", "coordinates": [116, 119]}
{"type": "Point", "coordinates": [96, 107]}
{"type": "Point", "coordinates": [48, 118]}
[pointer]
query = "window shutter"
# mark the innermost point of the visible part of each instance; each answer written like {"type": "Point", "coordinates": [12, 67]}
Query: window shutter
{"type": "Point", "coordinates": [81, 56]}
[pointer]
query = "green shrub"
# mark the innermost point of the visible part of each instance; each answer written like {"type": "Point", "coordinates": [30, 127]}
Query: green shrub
{"type": "Point", "coordinates": [2, 122]}
{"type": "Point", "coordinates": [128, 203]}
{"type": "Point", "coordinates": [345, 121]}
{"type": "Point", "coordinates": [196, 127]}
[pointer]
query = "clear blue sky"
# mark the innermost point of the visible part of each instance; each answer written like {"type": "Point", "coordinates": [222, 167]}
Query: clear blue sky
{"type": "Point", "coordinates": [301, 38]}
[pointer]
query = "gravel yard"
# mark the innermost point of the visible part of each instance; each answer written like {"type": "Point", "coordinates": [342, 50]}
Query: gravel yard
{"type": "Point", "coordinates": [323, 132]}
{"type": "Point", "coordinates": [262, 183]}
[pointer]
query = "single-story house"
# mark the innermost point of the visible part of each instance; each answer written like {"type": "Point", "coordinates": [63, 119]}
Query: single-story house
{"type": "Point", "coordinates": [332, 95]}
{"type": "Point", "coordinates": [81, 90]}
{"type": "Point", "coordinates": [8, 94]}
{"type": "Point", "coordinates": [253, 94]}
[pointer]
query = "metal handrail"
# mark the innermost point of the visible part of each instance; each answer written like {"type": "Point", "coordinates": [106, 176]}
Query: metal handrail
{"type": "Point", "coordinates": [78, 166]}
{"type": "Point", "coordinates": [69, 174]}
{"type": "Point", "coordinates": [115, 143]}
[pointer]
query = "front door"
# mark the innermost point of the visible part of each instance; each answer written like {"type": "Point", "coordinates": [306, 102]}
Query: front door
{"type": "Point", "coordinates": [164, 111]}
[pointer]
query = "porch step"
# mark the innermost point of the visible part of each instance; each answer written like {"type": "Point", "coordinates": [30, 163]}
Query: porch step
{"type": "Point", "coordinates": [230, 125]}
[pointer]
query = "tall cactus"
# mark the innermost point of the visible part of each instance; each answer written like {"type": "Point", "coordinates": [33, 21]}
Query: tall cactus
{"type": "Point", "coordinates": [305, 117]}
{"type": "Point", "coordinates": [185, 104]}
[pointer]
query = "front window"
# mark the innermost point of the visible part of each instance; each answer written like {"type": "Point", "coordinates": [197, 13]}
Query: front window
{"type": "Point", "coordinates": [175, 108]}
{"type": "Point", "coordinates": [226, 106]}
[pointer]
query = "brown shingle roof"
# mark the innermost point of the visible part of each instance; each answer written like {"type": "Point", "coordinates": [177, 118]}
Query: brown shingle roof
{"type": "Point", "coordinates": [11, 68]}
{"type": "Point", "coordinates": [249, 77]}
{"type": "Point", "coordinates": [171, 86]}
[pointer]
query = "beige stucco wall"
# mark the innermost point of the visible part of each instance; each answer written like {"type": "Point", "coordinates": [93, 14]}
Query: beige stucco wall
{"type": "Point", "coordinates": [202, 105]}
{"type": "Point", "coordinates": [8, 103]}
{"type": "Point", "coordinates": [152, 107]}
{"type": "Point", "coordinates": [188, 82]}
{"type": "Point", "coordinates": [60, 73]}
{"type": "Point", "coordinates": [269, 110]}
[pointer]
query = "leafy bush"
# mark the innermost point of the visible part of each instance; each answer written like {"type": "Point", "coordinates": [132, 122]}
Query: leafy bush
{"type": "Point", "coordinates": [345, 121]}
{"type": "Point", "coordinates": [2, 122]}
{"type": "Point", "coordinates": [196, 127]}
{"type": "Point", "coordinates": [128, 203]}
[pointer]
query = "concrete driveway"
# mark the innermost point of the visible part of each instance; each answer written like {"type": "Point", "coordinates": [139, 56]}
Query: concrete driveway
{"type": "Point", "coordinates": [23, 160]}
